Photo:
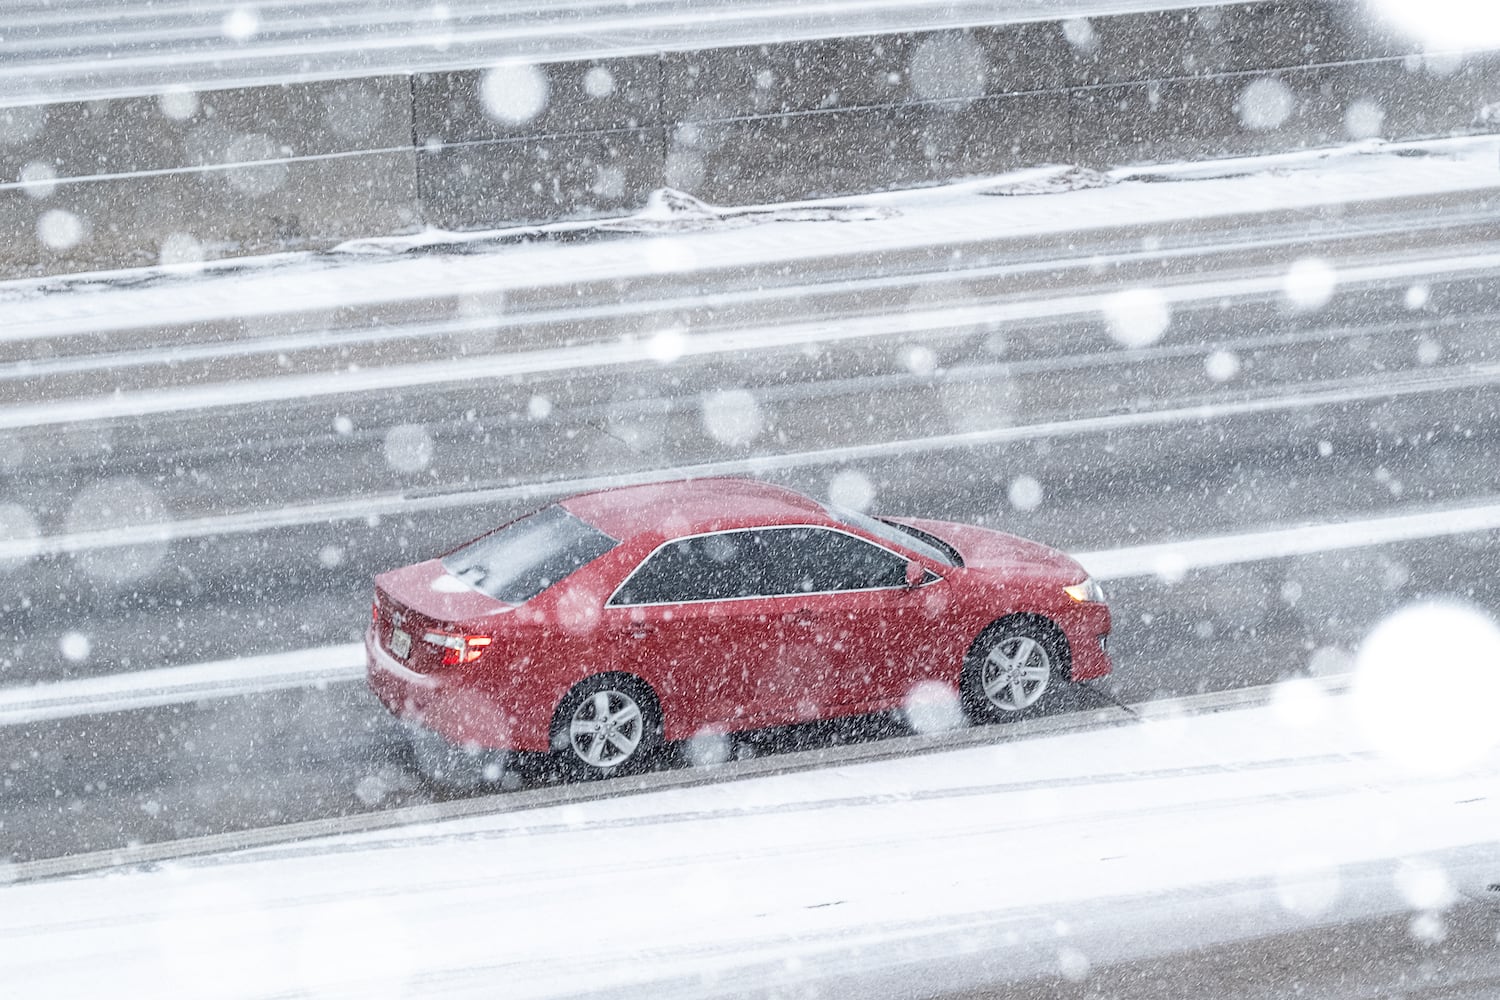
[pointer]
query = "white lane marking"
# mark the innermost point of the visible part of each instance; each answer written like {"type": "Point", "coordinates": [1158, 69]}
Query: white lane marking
{"type": "Point", "coordinates": [126, 405]}
{"type": "Point", "coordinates": [180, 685]}
{"type": "Point", "coordinates": [1281, 543]}
{"type": "Point", "coordinates": [334, 664]}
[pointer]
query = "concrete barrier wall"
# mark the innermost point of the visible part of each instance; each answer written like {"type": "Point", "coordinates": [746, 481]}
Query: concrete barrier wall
{"type": "Point", "coordinates": [215, 174]}
{"type": "Point", "coordinates": [593, 147]}
{"type": "Point", "coordinates": [839, 116]}
{"type": "Point", "coordinates": [471, 149]}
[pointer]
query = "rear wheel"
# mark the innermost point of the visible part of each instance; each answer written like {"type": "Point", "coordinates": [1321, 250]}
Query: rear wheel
{"type": "Point", "coordinates": [1011, 669]}
{"type": "Point", "coordinates": [607, 725]}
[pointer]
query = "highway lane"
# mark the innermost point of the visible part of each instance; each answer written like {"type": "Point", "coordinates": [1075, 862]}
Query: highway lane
{"type": "Point", "coordinates": [93, 783]}
{"type": "Point", "coordinates": [319, 314]}
{"type": "Point", "coordinates": [1073, 421]}
{"type": "Point", "coordinates": [947, 329]}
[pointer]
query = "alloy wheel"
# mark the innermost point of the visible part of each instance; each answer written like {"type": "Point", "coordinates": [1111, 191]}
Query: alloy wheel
{"type": "Point", "coordinates": [606, 729]}
{"type": "Point", "coordinates": [1016, 673]}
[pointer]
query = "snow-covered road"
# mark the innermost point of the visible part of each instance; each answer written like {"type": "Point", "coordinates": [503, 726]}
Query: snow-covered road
{"type": "Point", "coordinates": [1279, 432]}
{"type": "Point", "coordinates": [174, 337]}
{"type": "Point", "coordinates": [303, 342]}
{"type": "Point", "coordinates": [1048, 857]}
{"type": "Point", "coordinates": [1248, 201]}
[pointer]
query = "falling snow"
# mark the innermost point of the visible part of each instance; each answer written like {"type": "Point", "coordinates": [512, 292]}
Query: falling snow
{"type": "Point", "coordinates": [1137, 317]}
{"type": "Point", "coordinates": [75, 646]}
{"type": "Point", "coordinates": [732, 416]}
{"type": "Point", "coordinates": [1460, 647]}
{"type": "Point", "coordinates": [1222, 366]}
{"type": "Point", "coordinates": [514, 93]}
{"type": "Point", "coordinates": [947, 68]}
{"type": "Point", "coordinates": [408, 448]}
{"type": "Point", "coordinates": [1265, 104]}
{"type": "Point", "coordinates": [1309, 284]}
{"type": "Point", "coordinates": [851, 488]}
{"type": "Point", "coordinates": [297, 297]}
{"type": "Point", "coordinates": [59, 229]}
{"type": "Point", "coordinates": [1025, 493]}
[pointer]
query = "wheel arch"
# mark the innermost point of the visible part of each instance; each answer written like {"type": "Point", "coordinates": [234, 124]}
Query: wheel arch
{"type": "Point", "coordinates": [1030, 619]}
{"type": "Point", "coordinates": [622, 677]}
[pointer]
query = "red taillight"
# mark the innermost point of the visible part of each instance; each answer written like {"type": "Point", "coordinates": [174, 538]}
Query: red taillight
{"type": "Point", "coordinates": [375, 613]}
{"type": "Point", "coordinates": [459, 648]}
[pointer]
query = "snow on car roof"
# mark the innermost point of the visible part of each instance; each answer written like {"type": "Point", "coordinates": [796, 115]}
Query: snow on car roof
{"type": "Point", "coordinates": [688, 506]}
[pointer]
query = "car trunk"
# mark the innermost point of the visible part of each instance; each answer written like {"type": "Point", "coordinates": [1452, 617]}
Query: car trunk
{"type": "Point", "coordinates": [418, 604]}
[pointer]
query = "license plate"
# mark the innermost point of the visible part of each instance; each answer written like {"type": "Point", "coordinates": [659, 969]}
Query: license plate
{"type": "Point", "coordinates": [400, 643]}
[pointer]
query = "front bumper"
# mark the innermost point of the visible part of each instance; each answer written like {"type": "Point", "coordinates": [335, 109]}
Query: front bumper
{"type": "Point", "coordinates": [1087, 629]}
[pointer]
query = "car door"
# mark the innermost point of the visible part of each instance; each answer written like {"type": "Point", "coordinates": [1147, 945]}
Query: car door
{"type": "Point", "coordinates": [692, 619]}
{"type": "Point", "coordinates": [795, 681]}
{"type": "Point", "coordinates": [852, 632]}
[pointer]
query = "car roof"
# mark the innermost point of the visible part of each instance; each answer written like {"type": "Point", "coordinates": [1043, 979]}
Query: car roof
{"type": "Point", "coordinates": [693, 506]}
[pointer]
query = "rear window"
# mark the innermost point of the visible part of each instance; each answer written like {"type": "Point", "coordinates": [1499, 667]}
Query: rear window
{"type": "Point", "coordinates": [528, 555]}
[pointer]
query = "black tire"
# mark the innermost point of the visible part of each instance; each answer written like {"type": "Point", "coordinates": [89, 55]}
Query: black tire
{"type": "Point", "coordinates": [1014, 670]}
{"type": "Point", "coordinates": [628, 718]}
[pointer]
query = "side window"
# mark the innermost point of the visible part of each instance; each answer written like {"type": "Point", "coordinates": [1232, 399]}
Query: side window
{"type": "Point", "coordinates": [822, 560]}
{"type": "Point", "coordinates": [706, 568]}
{"type": "Point", "coordinates": [767, 562]}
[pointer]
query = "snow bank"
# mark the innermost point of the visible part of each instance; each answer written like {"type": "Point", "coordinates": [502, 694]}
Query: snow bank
{"type": "Point", "coordinates": [1035, 857]}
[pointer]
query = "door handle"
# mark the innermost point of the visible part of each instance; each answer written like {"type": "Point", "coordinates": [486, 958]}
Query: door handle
{"type": "Point", "coordinates": [801, 616]}
{"type": "Point", "coordinates": [632, 632]}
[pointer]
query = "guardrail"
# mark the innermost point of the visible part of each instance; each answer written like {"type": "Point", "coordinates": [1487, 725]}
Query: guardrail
{"type": "Point", "coordinates": [181, 176]}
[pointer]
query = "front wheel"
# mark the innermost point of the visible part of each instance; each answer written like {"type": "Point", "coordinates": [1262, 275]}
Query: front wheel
{"type": "Point", "coordinates": [607, 725]}
{"type": "Point", "coordinates": [1011, 668]}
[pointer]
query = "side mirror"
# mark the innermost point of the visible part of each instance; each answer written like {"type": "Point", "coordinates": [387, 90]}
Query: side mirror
{"type": "Point", "coordinates": [915, 574]}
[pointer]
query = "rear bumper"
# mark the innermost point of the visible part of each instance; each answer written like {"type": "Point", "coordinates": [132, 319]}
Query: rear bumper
{"type": "Point", "coordinates": [453, 706]}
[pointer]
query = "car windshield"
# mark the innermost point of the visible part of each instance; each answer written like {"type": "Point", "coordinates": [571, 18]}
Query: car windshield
{"type": "Point", "coordinates": [528, 555]}
{"type": "Point", "coordinates": [910, 539]}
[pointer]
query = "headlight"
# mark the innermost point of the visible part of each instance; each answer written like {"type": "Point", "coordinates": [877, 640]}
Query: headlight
{"type": "Point", "coordinates": [1087, 591]}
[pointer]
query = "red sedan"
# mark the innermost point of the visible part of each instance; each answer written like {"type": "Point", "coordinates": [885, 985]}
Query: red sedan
{"type": "Point", "coordinates": [610, 621]}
